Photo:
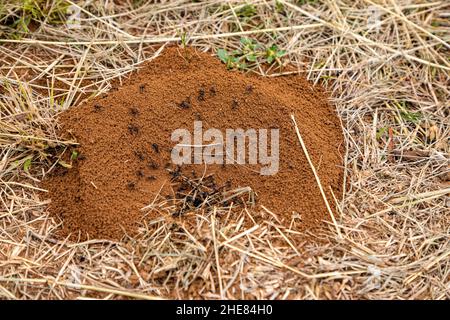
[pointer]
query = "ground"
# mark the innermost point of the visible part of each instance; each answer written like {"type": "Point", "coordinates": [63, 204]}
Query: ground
{"type": "Point", "coordinates": [386, 66]}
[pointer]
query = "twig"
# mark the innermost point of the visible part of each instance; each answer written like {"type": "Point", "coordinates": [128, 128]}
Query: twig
{"type": "Point", "coordinates": [316, 176]}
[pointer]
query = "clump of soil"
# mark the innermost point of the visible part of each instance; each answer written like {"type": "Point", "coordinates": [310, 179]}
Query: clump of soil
{"type": "Point", "coordinates": [124, 153]}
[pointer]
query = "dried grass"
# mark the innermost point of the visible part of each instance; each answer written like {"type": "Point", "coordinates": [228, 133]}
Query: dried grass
{"type": "Point", "coordinates": [390, 83]}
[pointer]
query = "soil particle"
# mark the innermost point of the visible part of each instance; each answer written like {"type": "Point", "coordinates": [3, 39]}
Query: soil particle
{"type": "Point", "coordinates": [126, 177]}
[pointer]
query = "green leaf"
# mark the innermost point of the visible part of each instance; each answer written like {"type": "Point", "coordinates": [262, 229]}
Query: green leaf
{"type": "Point", "coordinates": [380, 132]}
{"type": "Point", "coordinates": [246, 11]}
{"type": "Point", "coordinates": [245, 41]}
{"type": "Point", "coordinates": [223, 55]}
{"type": "Point", "coordinates": [251, 57]}
{"type": "Point", "coordinates": [74, 155]}
{"type": "Point", "coordinates": [242, 66]}
{"type": "Point", "coordinates": [248, 43]}
{"type": "Point", "coordinates": [413, 117]}
{"type": "Point", "coordinates": [27, 165]}
{"type": "Point", "coordinates": [280, 53]}
{"type": "Point", "coordinates": [279, 6]}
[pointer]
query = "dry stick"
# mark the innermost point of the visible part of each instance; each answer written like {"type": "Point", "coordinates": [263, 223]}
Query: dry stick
{"type": "Point", "coordinates": [162, 39]}
{"type": "Point", "coordinates": [411, 200]}
{"type": "Point", "coordinates": [420, 196]}
{"type": "Point", "coordinates": [336, 201]}
{"type": "Point", "coordinates": [407, 21]}
{"type": "Point", "coordinates": [71, 94]}
{"type": "Point", "coordinates": [238, 236]}
{"type": "Point", "coordinates": [84, 287]}
{"type": "Point", "coordinates": [7, 293]}
{"type": "Point", "coordinates": [305, 151]}
{"type": "Point", "coordinates": [236, 17]}
{"type": "Point", "coordinates": [23, 185]}
{"type": "Point", "coordinates": [101, 20]}
{"type": "Point", "coordinates": [411, 278]}
{"type": "Point", "coordinates": [286, 239]}
{"type": "Point", "coordinates": [363, 39]}
{"type": "Point", "coordinates": [38, 138]}
{"type": "Point", "coordinates": [276, 263]}
{"type": "Point", "coordinates": [216, 252]}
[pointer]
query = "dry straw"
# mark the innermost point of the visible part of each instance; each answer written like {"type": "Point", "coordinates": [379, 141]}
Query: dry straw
{"type": "Point", "coordinates": [388, 78]}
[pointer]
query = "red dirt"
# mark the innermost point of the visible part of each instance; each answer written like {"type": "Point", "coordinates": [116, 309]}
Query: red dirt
{"type": "Point", "coordinates": [125, 142]}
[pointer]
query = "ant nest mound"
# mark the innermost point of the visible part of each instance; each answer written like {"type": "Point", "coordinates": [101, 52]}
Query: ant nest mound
{"type": "Point", "coordinates": [184, 134]}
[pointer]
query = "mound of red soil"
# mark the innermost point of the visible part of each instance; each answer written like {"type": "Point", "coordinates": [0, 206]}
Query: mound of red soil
{"type": "Point", "coordinates": [125, 143]}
